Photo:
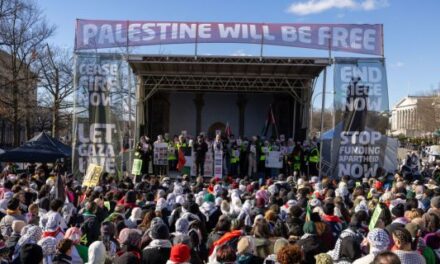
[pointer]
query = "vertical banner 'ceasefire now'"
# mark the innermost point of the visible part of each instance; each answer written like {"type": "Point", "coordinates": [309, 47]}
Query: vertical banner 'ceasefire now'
{"type": "Point", "coordinates": [98, 112]}
{"type": "Point", "coordinates": [361, 104]}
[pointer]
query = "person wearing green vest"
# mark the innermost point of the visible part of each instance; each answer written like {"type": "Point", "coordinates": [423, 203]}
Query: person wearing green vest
{"type": "Point", "coordinates": [313, 161]}
{"type": "Point", "coordinates": [172, 152]}
{"type": "Point", "coordinates": [234, 159]}
{"type": "Point", "coordinates": [183, 146]}
{"type": "Point", "coordinates": [297, 158]}
{"type": "Point", "coordinates": [263, 152]}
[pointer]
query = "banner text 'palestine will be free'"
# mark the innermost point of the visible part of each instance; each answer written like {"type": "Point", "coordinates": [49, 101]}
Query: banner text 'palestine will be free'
{"type": "Point", "coordinates": [357, 38]}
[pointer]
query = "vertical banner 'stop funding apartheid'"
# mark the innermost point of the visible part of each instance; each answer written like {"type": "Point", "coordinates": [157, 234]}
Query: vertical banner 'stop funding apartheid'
{"type": "Point", "coordinates": [361, 104]}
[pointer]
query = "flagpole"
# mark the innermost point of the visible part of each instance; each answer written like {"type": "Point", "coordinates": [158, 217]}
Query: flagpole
{"type": "Point", "coordinates": [322, 122]}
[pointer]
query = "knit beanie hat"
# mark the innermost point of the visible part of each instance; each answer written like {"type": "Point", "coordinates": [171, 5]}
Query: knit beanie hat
{"type": "Point", "coordinates": [180, 253]}
{"type": "Point", "coordinates": [432, 240]}
{"type": "Point", "coordinates": [323, 258]}
{"type": "Point", "coordinates": [159, 231]}
{"type": "Point", "coordinates": [309, 228]}
{"type": "Point", "coordinates": [209, 197]}
{"type": "Point", "coordinates": [182, 225]}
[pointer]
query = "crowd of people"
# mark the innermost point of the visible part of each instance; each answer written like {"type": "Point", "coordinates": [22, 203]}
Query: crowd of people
{"type": "Point", "coordinates": [294, 217]}
{"type": "Point", "coordinates": [241, 156]}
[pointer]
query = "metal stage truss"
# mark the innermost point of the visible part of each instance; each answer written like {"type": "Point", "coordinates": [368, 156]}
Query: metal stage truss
{"type": "Point", "coordinates": [228, 74]}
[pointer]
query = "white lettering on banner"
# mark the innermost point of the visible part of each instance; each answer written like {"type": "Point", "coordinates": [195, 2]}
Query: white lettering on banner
{"type": "Point", "coordinates": [204, 31]}
{"type": "Point", "coordinates": [362, 87]}
{"type": "Point", "coordinates": [229, 31]}
{"type": "Point", "coordinates": [363, 137]}
{"type": "Point", "coordinates": [356, 38]}
{"type": "Point", "coordinates": [288, 33]}
{"type": "Point", "coordinates": [89, 32]}
{"type": "Point", "coordinates": [305, 34]}
{"type": "Point", "coordinates": [95, 141]}
{"type": "Point", "coordinates": [134, 31]}
{"type": "Point", "coordinates": [357, 170]}
{"type": "Point", "coordinates": [106, 35]}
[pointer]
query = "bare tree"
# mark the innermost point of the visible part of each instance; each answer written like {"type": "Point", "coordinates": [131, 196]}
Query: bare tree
{"type": "Point", "coordinates": [23, 32]}
{"type": "Point", "coordinates": [56, 78]}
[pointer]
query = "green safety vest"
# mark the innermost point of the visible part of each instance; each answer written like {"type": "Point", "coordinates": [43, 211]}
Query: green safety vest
{"type": "Point", "coordinates": [297, 163]}
{"type": "Point", "coordinates": [263, 155]}
{"type": "Point", "coordinates": [314, 156]}
{"type": "Point", "coordinates": [171, 154]}
{"type": "Point", "coordinates": [234, 158]}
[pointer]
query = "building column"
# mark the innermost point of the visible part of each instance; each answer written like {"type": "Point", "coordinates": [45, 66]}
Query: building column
{"type": "Point", "coordinates": [241, 103]}
{"type": "Point", "coordinates": [398, 119]}
{"type": "Point", "coordinates": [199, 103]}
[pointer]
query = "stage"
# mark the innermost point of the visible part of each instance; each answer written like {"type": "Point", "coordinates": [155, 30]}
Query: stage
{"type": "Point", "coordinates": [205, 93]}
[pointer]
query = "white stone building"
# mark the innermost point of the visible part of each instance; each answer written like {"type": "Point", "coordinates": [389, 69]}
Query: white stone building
{"type": "Point", "coordinates": [415, 116]}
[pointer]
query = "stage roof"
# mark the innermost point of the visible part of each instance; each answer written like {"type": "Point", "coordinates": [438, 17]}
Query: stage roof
{"type": "Point", "coordinates": [226, 73]}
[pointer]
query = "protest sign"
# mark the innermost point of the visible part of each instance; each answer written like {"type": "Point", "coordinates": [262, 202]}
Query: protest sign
{"type": "Point", "coordinates": [375, 217]}
{"type": "Point", "coordinates": [93, 175]}
{"type": "Point", "coordinates": [361, 98]}
{"type": "Point", "coordinates": [218, 163]}
{"type": "Point", "coordinates": [97, 131]}
{"type": "Point", "coordinates": [274, 159]}
{"type": "Point", "coordinates": [160, 154]}
{"type": "Point", "coordinates": [137, 165]}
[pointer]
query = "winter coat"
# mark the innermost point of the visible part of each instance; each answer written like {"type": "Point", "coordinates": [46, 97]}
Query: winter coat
{"type": "Point", "coordinates": [311, 247]}
{"type": "Point", "coordinates": [6, 223]}
{"type": "Point", "coordinates": [262, 247]}
{"type": "Point", "coordinates": [90, 228]}
{"type": "Point", "coordinates": [249, 259]}
{"type": "Point", "coordinates": [158, 252]}
{"type": "Point", "coordinates": [62, 259]}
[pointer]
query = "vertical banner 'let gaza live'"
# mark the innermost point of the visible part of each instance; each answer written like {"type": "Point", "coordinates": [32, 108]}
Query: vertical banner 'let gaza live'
{"type": "Point", "coordinates": [361, 101]}
{"type": "Point", "coordinates": [98, 113]}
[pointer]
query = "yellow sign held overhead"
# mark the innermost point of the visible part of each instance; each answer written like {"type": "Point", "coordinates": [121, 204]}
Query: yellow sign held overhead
{"type": "Point", "coordinates": [93, 175]}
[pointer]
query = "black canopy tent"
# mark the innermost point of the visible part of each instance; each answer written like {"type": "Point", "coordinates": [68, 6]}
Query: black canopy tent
{"type": "Point", "coordinates": [41, 148]}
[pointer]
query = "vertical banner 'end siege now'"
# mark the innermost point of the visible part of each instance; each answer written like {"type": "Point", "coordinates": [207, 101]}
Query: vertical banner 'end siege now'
{"type": "Point", "coordinates": [356, 38]}
{"type": "Point", "coordinates": [361, 105]}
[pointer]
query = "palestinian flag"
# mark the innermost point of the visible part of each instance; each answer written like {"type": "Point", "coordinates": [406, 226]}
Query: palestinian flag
{"type": "Point", "coordinates": [270, 123]}
{"type": "Point", "coordinates": [228, 130]}
{"type": "Point", "coordinates": [180, 160]}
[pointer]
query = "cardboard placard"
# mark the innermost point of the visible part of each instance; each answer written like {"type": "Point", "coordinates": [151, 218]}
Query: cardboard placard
{"type": "Point", "coordinates": [93, 175]}
{"type": "Point", "coordinates": [274, 159]}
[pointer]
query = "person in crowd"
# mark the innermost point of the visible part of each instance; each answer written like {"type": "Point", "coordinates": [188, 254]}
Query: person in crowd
{"type": "Point", "coordinates": [12, 213]}
{"type": "Point", "coordinates": [64, 252]}
{"type": "Point", "coordinates": [402, 244]}
{"type": "Point", "coordinates": [291, 254]}
{"type": "Point", "coordinates": [180, 254]}
{"type": "Point", "coordinates": [378, 241]}
{"type": "Point", "coordinates": [291, 217]}
{"type": "Point", "coordinates": [386, 257]}
{"type": "Point", "coordinates": [200, 148]}
{"type": "Point", "coordinates": [97, 253]}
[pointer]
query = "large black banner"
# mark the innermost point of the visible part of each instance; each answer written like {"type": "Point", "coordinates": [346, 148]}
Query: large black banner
{"type": "Point", "coordinates": [361, 107]}
{"type": "Point", "coordinates": [100, 112]}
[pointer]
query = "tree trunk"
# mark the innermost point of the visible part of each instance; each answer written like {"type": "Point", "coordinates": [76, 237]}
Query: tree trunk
{"type": "Point", "coordinates": [15, 121]}
{"type": "Point", "coordinates": [56, 106]}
